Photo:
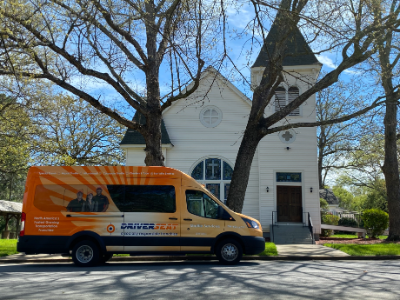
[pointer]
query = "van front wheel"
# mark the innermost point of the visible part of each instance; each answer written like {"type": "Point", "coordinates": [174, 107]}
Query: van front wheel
{"type": "Point", "coordinates": [229, 252]}
{"type": "Point", "coordinates": [86, 254]}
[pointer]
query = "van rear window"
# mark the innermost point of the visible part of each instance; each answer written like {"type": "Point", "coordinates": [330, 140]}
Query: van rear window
{"type": "Point", "coordinates": [102, 198]}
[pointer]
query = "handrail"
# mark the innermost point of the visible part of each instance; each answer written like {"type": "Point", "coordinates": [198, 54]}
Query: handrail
{"type": "Point", "coordinates": [310, 226]}
{"type": "Point", "coordinates": [272, 228]}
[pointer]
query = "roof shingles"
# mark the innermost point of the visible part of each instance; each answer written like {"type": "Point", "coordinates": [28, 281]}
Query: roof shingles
{"type": "Point", "coordinates": [298, 52]}
{"type": "Point", "coordinates": [133, 137]}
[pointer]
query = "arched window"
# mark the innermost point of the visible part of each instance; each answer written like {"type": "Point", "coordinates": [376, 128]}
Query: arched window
{"type": "Point", "coordinates": [216, 175]}
{"type": "Point", "coordinates": [283, 98]}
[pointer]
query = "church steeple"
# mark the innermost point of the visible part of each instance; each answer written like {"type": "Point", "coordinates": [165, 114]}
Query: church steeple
{"type": "Point", "coordinates": [297, 53]}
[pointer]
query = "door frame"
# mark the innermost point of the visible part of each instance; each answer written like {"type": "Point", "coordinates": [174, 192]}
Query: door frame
{"type": "Point", "coordinates": [301, 204]}
{"type": "Point", "coordinates": [301, 184]}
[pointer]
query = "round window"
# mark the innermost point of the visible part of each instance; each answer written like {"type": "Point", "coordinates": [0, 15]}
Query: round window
{"type": "Point", "coordinates": [210, 116]}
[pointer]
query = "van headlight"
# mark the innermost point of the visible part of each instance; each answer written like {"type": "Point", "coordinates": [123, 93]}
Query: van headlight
{"type": "Point", "coordinates": [251, 223]}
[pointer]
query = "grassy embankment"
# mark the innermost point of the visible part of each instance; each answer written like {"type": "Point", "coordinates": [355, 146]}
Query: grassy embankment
{"type": "Point", "coordinates": [270, 250]}
{"type": "Point", "coordinates": [367, 250]}
{"type": "Point", "coordinates": [354, 236]}
{"type": "Point", "coordinates": [8, 247]}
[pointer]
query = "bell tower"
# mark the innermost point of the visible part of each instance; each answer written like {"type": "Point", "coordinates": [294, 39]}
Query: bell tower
{"type": "Point", "coordinates": [298, 55]}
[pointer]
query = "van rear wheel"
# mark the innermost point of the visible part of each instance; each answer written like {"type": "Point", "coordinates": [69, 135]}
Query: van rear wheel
{"type": "Point", "coordinates": [85, 254]}
{"type": "Point", "coordinates": [229, 252]}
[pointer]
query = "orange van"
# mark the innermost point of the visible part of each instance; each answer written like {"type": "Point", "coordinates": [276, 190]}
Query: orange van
{"type": "Point", "coordinates": [95, 212]}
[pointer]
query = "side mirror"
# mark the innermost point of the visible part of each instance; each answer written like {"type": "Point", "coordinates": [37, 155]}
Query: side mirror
{"type": "Point", "coordinates": [224, 215]}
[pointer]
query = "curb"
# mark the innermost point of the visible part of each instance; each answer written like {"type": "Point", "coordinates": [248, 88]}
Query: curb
{"type": "Point", "coordinates": [208, 258]}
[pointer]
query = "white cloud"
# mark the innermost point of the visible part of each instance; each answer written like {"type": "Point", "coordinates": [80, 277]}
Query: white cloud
{"type": "Point", "coordinates": [328, 62]}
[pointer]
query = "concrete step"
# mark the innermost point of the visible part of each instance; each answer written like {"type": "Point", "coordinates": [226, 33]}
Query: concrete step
{"type": "Point", "coordinates": [291, 234]}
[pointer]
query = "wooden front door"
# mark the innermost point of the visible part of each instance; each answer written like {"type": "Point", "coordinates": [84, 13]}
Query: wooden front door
{"type": "Point", "coordinates": [289, 203]}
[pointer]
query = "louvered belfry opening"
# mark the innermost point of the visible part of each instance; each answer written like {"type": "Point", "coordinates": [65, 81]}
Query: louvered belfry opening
{"type": "Point", "coordinates": [283, 98]}
{"type": "Point", "coordinates": [293, 93]}
{"type": "Point", "coordinates": [280, 98]}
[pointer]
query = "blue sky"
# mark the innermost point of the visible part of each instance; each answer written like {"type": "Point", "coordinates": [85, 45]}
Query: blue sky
{"type": "Point", "coordinates": [243, 50]}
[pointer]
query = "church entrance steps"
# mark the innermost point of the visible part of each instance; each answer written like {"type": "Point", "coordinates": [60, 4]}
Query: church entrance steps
{"type": "Point", "coordinates": [290, 234]}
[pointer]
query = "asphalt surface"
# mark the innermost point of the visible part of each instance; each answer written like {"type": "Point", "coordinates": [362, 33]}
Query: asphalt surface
{"type": "Point", "coordinates": [204, 280]}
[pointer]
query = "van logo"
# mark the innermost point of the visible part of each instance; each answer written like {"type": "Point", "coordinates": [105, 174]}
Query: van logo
{"type": "Point", "coordinates": [111, 228]}
{"type": "Point", "coordinates": [149, 226]}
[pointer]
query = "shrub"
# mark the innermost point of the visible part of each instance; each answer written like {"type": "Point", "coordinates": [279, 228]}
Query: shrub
{"type": "Point", "coordinates": [329, 220]}
{"type": "Point", "coordinates": [349, 222]}
{"type": "Point", "coordinates": [324, 207]}
{"type": "Point", "coordinates": [375, 221]}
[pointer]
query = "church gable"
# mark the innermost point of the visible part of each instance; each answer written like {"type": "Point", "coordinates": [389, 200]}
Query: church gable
{"type": "Point", "coordinates": [216, 111]}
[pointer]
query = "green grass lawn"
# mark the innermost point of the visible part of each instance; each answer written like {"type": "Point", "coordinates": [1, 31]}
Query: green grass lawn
{"type": "Point", "coordinates": [8, 247]}
{"type": "Point", "coordinates": [353, 236]}
{"type": "Point", "coordinates": [270, 250]}
{"type": "Point", "coordinates": [367, 250]}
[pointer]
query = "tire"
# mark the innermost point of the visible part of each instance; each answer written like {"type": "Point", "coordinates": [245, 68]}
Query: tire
{"type": "Point", "coordinates": [85, 254]}
{"type": "Point", "coordinates": [106, 257]}
{"type": "Point", "coordinates": [229, 252]}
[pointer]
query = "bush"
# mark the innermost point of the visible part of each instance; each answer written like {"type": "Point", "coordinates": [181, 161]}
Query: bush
{"type": "Point", "coordinates": [349, 222]}
{"type": "Point", "coordinates": [375, 221]}
{"type": "Point", "coordinates": [324, 207]}
{"type": "Point", "coordinates": [329, 220]}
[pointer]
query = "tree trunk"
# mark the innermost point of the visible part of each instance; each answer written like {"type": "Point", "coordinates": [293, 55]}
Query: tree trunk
{"type": "Point", "coordinates": [391, 168]}
{"type": "Point", "coordinates": [321, 178]}
{"type": "Point", "coordinates": [154, 155]}
{"type": "Point", "coordinates": [241, 174]}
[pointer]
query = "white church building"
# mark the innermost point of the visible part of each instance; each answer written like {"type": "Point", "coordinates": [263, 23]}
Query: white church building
{"type": "Point", "coordinates": [201, 136]}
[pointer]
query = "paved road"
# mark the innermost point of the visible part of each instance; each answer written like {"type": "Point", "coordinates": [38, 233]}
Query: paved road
{"type": "Point", "coordinates": [204, 280]}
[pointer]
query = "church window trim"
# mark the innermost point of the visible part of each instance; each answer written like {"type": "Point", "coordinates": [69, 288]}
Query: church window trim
{"type": "Point", "coordinates": [210, 116]}
{"type": "Point", "coordinates": [286, 94]}
{"type": "Point", "coordinates": [212, 178]}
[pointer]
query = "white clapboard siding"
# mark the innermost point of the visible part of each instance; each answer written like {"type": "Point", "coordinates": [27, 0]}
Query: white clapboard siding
{"type": "Point", "coordinates": [193, 142]}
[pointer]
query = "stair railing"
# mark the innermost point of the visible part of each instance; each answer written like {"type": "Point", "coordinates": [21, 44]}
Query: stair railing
{"type": "Point", "coordinates": [272, 226]}
{"type": "Point", "coordinates": [310, 226]}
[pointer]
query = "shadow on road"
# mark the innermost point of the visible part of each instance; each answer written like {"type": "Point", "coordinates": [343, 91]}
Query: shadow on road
{"type": "Point", "coordinates": [204, 280]}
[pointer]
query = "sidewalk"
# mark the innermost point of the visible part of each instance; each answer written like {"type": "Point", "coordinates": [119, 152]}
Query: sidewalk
{"type": "Point", "coordinates": [286, 252]}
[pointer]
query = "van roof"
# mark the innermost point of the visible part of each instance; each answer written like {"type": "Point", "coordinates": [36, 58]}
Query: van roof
{"type": "Point", "coordinates": [119, 171]}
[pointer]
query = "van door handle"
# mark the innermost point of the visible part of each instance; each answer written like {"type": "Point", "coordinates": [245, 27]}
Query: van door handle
{"type": "Point", "coordinates": [173, 218]}
{"type": "Point", "coordinates": [188, 219]}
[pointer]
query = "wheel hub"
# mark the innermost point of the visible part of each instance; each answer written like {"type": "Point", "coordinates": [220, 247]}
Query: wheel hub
{"type": "Point", "coordinates": [229, 252]}
{"type": "Point", "coordinates": [84, 254]}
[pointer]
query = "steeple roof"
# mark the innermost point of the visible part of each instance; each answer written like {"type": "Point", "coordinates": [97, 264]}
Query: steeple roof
{"type": "Point", "coordinates": [297, 52]}
{"type": "Point", "coordinates": [133, 137]}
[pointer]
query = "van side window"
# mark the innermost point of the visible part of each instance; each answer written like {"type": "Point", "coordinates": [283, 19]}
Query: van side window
{"type": "Point", "coordinates": [200, 204]}
{"type": "Point", "coordinates": [149, 198]}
